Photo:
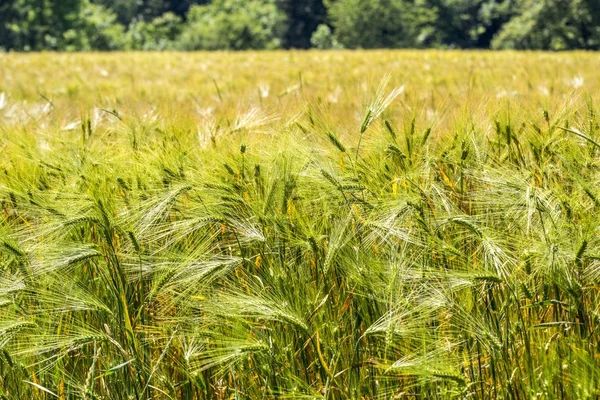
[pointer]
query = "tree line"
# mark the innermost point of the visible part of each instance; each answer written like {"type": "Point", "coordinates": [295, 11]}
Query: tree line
{"type": "Point", "coordinates": [85, 25]}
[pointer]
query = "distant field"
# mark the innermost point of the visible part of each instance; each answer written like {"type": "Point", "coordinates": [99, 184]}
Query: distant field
{"type": "Point", "coordinates": [315, 225]}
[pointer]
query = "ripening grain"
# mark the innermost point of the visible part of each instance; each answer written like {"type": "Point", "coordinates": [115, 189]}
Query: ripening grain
{"type": "Point", "coordinates": [336, 225]}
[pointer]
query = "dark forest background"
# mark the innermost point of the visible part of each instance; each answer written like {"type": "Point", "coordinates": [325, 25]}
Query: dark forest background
{"type": "Point", "coordinates": [83, 25]}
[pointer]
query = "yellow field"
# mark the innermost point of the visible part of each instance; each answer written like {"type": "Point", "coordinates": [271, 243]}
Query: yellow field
{"type": "Point", "coordinates": [382, 224]}
{"type": "Point", "coordinates": [181, 87]}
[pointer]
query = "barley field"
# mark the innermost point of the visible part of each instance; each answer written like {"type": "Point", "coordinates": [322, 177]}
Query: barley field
{"type": "Point", "coordinates": [300, 225]}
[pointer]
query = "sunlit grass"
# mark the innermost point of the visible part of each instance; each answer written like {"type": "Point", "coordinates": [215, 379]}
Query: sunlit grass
{"type": "Point", "coordinates": [299, 225]}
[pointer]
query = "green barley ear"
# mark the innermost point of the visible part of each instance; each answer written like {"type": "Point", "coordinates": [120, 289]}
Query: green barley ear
{"type": "Point", "coordinates": [134, 241]}
{"type": "Point", "coordinates": [376, 107]}
{"type": "Point", "coordinates": [426, 136]}
{"type": "Point", "coordinates": [335, 141]}
{"type": "Point", "coordinates": [14, 249]}
{"type": "Point", "coordinates": [366, 121]}
{"type": "Point", "coordinates": [390, 129]}
{"type": "Point", "coordinates": [380, 102]}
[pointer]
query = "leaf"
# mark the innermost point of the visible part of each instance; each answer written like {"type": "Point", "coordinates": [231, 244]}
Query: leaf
{"type": "Point", "coordinates": [40, 387]}
{"type": "Point", "coordinates": [114, 369]}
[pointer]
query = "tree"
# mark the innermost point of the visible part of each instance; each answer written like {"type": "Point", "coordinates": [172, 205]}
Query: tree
{"type": "Point", "coordinates": [552, 25]}
{"type": "Point", "coordinates": [126, 10]}
{"type": "Point", "coordinates": [28, 25]}
{"type": "Point", "coordinates": [96, 29]}
{"type": "Point", "coordinates": [234, 25]}
{"type": "Point", "coordinates": [323, 39]}
{"type": "Point", "coordinates": [181, 7]}
{"type": "Point", "coordinates": [471, 23]}
{"type": "Point", "coordinates": [383, 23]}
{"type": "Point", "coordinates": [38, 24]}
{"type": "Point", "coordinates": [161, 33]}
{"type": "Point", "coordinates": [129, 11]}
{"type": "Point", "coordinates": [303, 18]}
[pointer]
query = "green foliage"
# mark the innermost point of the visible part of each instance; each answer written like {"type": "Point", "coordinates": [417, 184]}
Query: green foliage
{"type": "Point", "coordinates": [58, 25]}
{"type": "Point", "coordinates": [38, 25]}
{"type": "Point", "coordinates": [96, 29]}
{"type": "Point", "coordinates": [323, 38]}
{"type": "Point", "coordinates": [72, 25]}
{"type": "Point", "coordinates": [161, 33]}
{"type": "Point", "coordinates": [129, 11]}
{"type": "Point", "coordinates": [303, 18]}
{"type": "Point", "coordinates": [126, 10]}
{"type": "Point", "coordinates": [552, 25]}
{"type": "Point", "coordinates": [471, 23]}
{"type": "Point", "coordinates": [383, 23]}
{"type": "Point", "coordinates": [234, 25]}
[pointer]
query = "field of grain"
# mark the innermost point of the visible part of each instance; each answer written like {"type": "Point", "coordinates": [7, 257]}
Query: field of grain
{"type": "Point", "coordinates": [301, 225]}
